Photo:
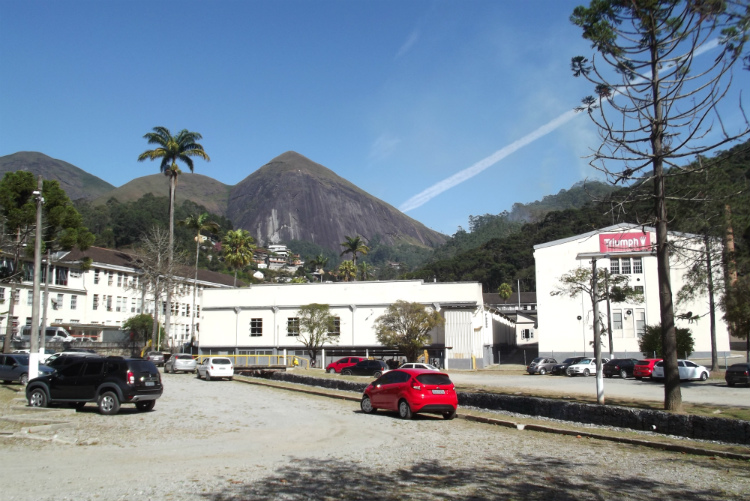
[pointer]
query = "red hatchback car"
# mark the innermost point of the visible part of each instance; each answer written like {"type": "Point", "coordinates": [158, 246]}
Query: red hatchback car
{"type": "Point", "coordinates": [644, 368]}
{"type": "Point", "coordinates": [411, 391]}
{"type": "Point", "coordinates": [342, 363]}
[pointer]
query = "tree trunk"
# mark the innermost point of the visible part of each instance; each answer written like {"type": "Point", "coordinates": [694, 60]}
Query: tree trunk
{"type": "Point", "coordinates": [170, 257]}
{"type": "Point", "coordinates": [672, 393]}
{"type": "Point", "coordinates": [730, 264]}
{"type": "Point", "coordinates": [711, 305]}
{"type": "Point", "coordinates": [195, 287]}
{"type": "Point", "coordinates": [9, 327]}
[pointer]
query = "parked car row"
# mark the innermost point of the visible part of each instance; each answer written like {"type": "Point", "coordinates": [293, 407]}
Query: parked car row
{"type": "Point", "coordinates": [623, 367]}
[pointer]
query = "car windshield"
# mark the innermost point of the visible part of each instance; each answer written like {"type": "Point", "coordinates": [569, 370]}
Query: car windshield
{"type": "Point", "coordinates": [434, 379]}
{"type": "Point", "coordinates": [537, 360]}
{"type": "Point", "coordinates": [569, 360]}
{"type": "Point", "coordinates": [183, 357]}
{"type": "Point", "coordinates": [585, 361]}
{"type": "Point", "coordinates": [221, 361]}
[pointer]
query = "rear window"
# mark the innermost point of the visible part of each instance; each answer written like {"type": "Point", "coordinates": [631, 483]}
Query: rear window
{"type": "Point", "coordinates": [142, 366]}
{"type": "Point", "coordinates": [183, 357]}
{"type": "Point", "coordinates": [221, 361]}
{"type": "Point", "coordinates": [434, 379]}
{"type": "Point", "coordinates": [642, 362]}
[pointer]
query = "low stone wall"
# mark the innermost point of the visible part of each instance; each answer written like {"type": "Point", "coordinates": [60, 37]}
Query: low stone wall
{"type": "Point", "coordinates": [682, 425]}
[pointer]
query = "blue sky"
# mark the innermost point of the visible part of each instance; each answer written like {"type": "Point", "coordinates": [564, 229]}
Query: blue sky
{"type": "Point", "coordinates": [394, 96]}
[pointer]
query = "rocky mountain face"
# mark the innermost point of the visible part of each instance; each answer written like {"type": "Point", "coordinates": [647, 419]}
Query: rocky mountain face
{"type": "Point", "coordinates": [76, 182]}
{"type": "Point", "coordinates": [294, 198]}
{"type": "Point", "coordinates": [289, 198]}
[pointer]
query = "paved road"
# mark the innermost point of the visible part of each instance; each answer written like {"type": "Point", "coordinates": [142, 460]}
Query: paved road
{"type": "Point", "coordinates": [712, 392]}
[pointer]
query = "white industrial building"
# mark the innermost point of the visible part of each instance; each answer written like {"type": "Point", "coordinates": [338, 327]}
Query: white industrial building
{"type": "Point", "coordinates": [565, 324]}
{"type": "Point", "coordinates": [262, 319]}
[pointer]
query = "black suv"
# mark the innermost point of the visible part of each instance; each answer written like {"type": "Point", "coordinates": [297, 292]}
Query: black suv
{"type": "Point", "coordinates": [622, 367]}
{"type": "Point", "coordinates": [374, 368]}
{"type": "Point", "coordinates": [108, 381]}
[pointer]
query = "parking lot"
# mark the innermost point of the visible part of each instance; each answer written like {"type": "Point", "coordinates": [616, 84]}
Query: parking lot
{"type": "Point", "coordinates": [226, 440]}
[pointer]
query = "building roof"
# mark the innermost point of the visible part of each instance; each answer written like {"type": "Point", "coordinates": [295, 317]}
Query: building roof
{"type": "Point", "coordinates": [614, 227]}
{"type": "Point", "coordinates": [112, 257]}
{"type": "Point", "coordinates": [493, 298]}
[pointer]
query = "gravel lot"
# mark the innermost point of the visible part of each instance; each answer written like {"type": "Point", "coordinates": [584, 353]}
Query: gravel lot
{"type": "Point", "coordinates": [222, 440]}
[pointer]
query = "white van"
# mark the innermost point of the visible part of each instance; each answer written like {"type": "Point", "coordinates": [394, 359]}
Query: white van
{"type": "Point", "coordinates": [52, 335]}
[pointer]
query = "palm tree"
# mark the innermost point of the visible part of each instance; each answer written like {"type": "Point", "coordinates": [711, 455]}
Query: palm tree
{"type": "Point", "coordinates": [365, 271]}
{"type": "Point", "coordinates": [171, 149]}
{"type": "Point", "coordinates": [197, 224]}
{"type": "Point", "coordinates": [353, 246]}
{"type": "Point", "coordinates": [348, 270]}
{"type": "Point", "coordinates": [237, 247]}
{"type": "Point", "coordinates": [318, 263]}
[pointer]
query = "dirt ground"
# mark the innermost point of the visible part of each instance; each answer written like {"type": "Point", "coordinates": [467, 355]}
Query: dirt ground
{"type": "Point", "coordinates": [223, 440]}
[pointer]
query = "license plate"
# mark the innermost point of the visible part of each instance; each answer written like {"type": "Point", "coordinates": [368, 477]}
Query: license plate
{"type": "Point", "coordinates": [149, 383]}
{"type": "Point", "coordinates": [438, 392]}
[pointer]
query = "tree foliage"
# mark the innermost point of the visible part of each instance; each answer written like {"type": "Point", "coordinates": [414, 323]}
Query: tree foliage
{"type": "Point", "coordinates": [651, 342]}
{"type": "Point", "coordinates": [406, 326]}
{"type": "Point", "coordinates": [316, 326]}
{"type": "Point", "coordinates": [238, 247]}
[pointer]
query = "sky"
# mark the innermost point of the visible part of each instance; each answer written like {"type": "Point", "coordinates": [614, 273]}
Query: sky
{"type": "Point", "coordinates": [443, 109]}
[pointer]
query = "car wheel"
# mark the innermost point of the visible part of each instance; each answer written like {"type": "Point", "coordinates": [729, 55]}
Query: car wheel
{"type": "Point", "coordinates": [231, 378]}
{"type": "Point", "coordinates": [366, 405]}
{"type": "Point", "coordinates": [542, 372]}
{"type": "Point", "coordinates": [208, 376]}
{"type": "Point", "coordinates": [197, 373]}
{"type": "Point", "coordinates": [145, 406]}
{"type": "Point", "coordinates": [24, 379]}
{"type": "Point", "coordinates": [346, 372]}
{"type": "Point", "coordinates": [331, 371]}
{"type": "Point", "coordinates": [586, 372]}
{"type": "Point", "coordinates": [704, 376]}
{"type": "Point", "coordinates": [404, 410]}
{"type": "Point", "coordinates": [624, 374]}
{"type": "Point", "coordinates": [569, 372]}
{"type": "Point", "coordinates": [38, 398]}
{"type": "Point", "coordinates": [79, 405]}
{"type": "Point", "coordinates": [449, 415]}
{"type": "Point", "coordinates": [377, 374]}
{"type": "Point", "coordinates": [108, 403]}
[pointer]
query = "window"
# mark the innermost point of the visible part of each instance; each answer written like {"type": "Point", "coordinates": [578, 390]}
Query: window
{"type": "Point", "coordinates": [527, 334]}
{"type": "Point", "coordinates": [17, 297]}
{"type": "Point", "coordinates": [96, 276]}
{"type": "Point", "coordinates": [110, 277]}
{"type": "Point", "coordinates": [626, 266]}
{"type": "Point", "coordinates": [336, 328]}
{"type": "Point", "coordinates": [292, 326]}
{"type": "Point", "coordinates": [57, 304]}
{"type": "Point", "coordinates": [61, 276]}
{"type": "Point", "coordinates": [640, 322]}
{"type": "Point", "coordinates": [637, 265]}
{"type": "Point", "coordinates": [614, 266]}
{"type": "Point", "coordinates": [29, 298]}
{"type": "Point", "coordinates": [187, 310]}
{"type": "Point", "coordinates": [73, 302]}
{"type": "Point", "coordinates": [2, 294]}
{"type": "Point", "coordinates": [96, 301]}
{"type": "Point", "coordinates": [256, 327]}
{"type": "Point", "coordinates": [28, 273]}
{"type": "Point", "coordinates": [109, 303]}
{"type": "Point", "coordinates": [132, 305]}
{"type": "Point", "coordinates": [118, 306]}
{"type": "Point", "coordinates": [617, 320]}
{"type": "Point", "coordinates": [638, 289]}
{"type": "Point", "coordinates": [119, 279]}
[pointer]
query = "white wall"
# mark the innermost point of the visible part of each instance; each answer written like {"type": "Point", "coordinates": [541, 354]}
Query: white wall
{"type": "Point", "coordinates": [560, 330]}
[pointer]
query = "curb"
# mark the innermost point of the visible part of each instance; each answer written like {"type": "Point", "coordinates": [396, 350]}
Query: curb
{"type": "Point", "coordinates": [531, 427]}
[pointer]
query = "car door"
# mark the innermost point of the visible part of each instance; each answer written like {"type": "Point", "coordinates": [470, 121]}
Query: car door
{"type": "Point", "coordinates": [380, 389]}
{"type": "Point", "coordinates": [684, 373]}
{"type": "Point", "coordinates": [89, 379]}
{"type": "Point", "coordinates": [63, 383]}
{"type": "Point", "coordinates": [6, 362]}
{"type": "Point", "coordinates": [691, 370]}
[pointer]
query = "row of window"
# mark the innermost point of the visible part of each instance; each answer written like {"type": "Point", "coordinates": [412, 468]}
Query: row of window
{"type": "Point", "coordinates": [292, 327]}
{"type": "Point", "coordinates": [625, 265]}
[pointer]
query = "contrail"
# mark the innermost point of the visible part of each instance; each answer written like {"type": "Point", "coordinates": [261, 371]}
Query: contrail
{"type": "Point", "coordinates": [466, 174]}
{"type": "Point", "coordinates": [436, 189]}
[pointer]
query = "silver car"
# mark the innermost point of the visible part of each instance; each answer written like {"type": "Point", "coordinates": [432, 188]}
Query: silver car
{"type": "Point", "coordinates": [180, 362]}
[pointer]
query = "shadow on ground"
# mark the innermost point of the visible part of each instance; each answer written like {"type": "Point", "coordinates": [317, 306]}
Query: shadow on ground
{"type": "Point", "coordinates": [548, 479]}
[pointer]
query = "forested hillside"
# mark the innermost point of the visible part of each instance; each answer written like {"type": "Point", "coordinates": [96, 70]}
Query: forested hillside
{"type": "Point", "coordinates": [698, 204]}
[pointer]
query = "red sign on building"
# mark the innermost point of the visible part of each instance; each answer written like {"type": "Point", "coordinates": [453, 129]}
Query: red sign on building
{"type": "Point", "coordinates": [624, 242]}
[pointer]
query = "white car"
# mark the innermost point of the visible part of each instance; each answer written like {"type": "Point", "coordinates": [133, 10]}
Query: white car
{"type": "Point", "coordinates": [415, 365]}
{"type": "Point", "coordinates": [215, 367]}
{"type": "Point", "coordinates": [688, 370]}
{"type": "Point", "coordinates": [587, 366]}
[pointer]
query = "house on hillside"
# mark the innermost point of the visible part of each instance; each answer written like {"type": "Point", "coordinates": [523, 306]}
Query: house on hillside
{"type": "Point", "coordinates": [566, 324]}
{"type": "Point", "coordinates": [262, 319]}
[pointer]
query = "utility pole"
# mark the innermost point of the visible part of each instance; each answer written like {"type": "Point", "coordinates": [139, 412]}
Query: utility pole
{"type": "Point", "coordinates": [34, 331]}
{"type": "Point", "coordinates": [609, 314]}
{"type": "Point", "coordinates": [597, 340]}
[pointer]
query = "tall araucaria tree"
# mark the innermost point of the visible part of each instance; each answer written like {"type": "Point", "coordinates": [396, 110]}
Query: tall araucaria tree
{"type": "Point", "coordinates": [170, 150]}
{"type": "Point", "coordinates": [655, 105]}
